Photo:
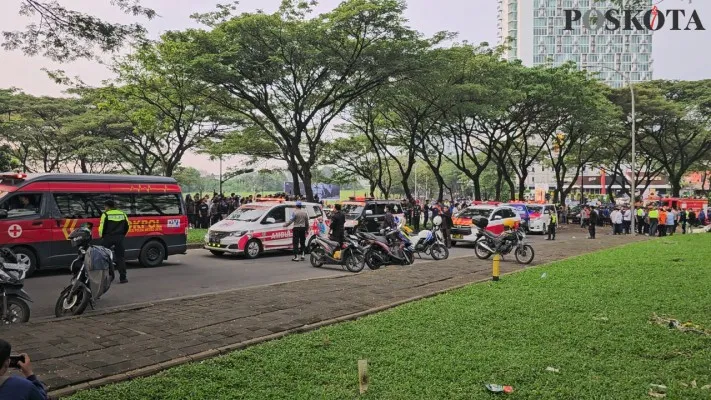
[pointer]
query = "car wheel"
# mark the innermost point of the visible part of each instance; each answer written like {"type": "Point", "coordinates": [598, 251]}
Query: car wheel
{"type": "Point", "coordinates": [544, 230]}
{"type": "Point", "coordinates": [252, 249]}
{"type": "Point", "coordinates": [152, 254]}
{"type": "Point", "coordinates": [27, 257]}
{"type": "Point", "coordinates": [454, 243]}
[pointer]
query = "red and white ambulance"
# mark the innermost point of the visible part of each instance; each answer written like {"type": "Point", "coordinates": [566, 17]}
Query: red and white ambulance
{"type": "Point", "coordinates": [39, 211]}
{"type": "Point", "coordinates": [257, 227]}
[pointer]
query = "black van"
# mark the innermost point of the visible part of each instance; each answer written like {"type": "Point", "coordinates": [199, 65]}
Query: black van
{"type": "Point", "coordinates": [369, 211]}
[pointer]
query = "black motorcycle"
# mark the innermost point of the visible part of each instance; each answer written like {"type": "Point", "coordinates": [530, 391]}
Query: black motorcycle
{"type": "Point", "coordinates": [15, 301]}
{"type": "Point", "coordinates": [488, 243]}
{"type": "Point", "coordinates": [323, 250]}
{"type": "Point", "coordinates": [92, 274]}
{"type": "Point", "coordinates": [391, 247]}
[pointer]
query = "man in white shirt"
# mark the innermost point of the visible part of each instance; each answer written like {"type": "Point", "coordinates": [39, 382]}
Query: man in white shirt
{"type": "Point", "coordinates": [627, 219]}
{"type": "Point", "coordinates": [616, 219]}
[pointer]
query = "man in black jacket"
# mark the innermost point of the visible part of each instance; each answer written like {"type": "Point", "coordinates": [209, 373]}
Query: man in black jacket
{"type": "Point", "coordinates": [338, 222]}
{"type": "Point", "coordinates": [447, 225]}
{"type": "Point", "coordinates": [594, 217]}
{"type": "Point", "coordinates": [416, 209]}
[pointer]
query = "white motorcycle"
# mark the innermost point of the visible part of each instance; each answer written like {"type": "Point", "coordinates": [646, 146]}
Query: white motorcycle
{"type": "Point", "coordinates": [431, 242]}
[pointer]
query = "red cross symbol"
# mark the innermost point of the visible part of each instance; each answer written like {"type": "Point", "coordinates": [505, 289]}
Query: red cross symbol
{"type": "Point", "coordinates": [15, 231]}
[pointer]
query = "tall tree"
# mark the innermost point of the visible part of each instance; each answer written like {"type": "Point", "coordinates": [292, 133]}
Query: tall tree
{"type": "Point", "coordinates": [292, 73]}
{"type": "Point", "coordinates": [477, 86]}
{"type": "Point", "coordinates": [674, 121]}
{"type": "Point", "coordinates": [63, 34]}
{"type": "Point", "coordinates": [586, 127]}
{"type": "Point", "coordinates": [37, 133]}
{"type": "Point", "coordinates": [172, 110]}
{"type": "Point", "coordinates": [355, 157]}
{"type": "Point", "coordinates": [363, 120]}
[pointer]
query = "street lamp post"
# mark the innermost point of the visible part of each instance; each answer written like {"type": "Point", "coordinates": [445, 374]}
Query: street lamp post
{"type": "Point", "coordinates": [633, 197]}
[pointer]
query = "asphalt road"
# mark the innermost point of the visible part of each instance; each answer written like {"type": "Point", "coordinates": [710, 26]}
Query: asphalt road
{"type": "Point", "coordinates": [195, 273]}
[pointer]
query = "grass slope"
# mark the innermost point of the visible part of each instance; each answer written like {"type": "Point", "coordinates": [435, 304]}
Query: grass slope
{"type": "Point", "coordinates": [449, 346]}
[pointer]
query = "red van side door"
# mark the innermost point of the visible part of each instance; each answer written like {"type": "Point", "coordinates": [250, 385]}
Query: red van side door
{"type": "Point", "coordinates": [23, 223]}
{"type": "Point", "coordinates": [72, 210]}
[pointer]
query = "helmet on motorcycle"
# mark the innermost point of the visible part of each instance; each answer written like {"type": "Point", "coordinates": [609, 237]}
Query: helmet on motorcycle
{"type": "Point", "coordinates": [437, 220]}
{"type": "Point", "coordinates": [80, 237]}
{"type": "Point", "coordinates": [510, 224]}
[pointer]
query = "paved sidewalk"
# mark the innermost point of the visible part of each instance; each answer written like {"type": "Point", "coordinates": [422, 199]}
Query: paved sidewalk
{"type": "Point", "coordinates": [156, 336]}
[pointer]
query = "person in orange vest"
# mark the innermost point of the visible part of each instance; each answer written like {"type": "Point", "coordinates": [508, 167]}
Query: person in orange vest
{"type": "Point", "coordinates": [662, 222]}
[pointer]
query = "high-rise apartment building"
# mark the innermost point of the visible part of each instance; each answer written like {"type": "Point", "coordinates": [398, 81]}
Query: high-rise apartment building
{"type": "Point", "coordinates": [537, 37]}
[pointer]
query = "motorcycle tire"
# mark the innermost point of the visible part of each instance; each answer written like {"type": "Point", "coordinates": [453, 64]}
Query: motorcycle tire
{"type": "Point", "coordinates": [316, 257]}
{"type": "Point", "coordinates": [480, 252]}
{"type": "Point", "coordinates": [439, 252]}
{"type": "Point", "coordinates": [74, 306]}
{"type": "Point", "coordinates": [354, 262]}
{"type": "Point", "coordinates": [18, 311]}
{"type": "Point", "coordinates": [409, 258]}
{"type": "Point", "coordinates": [525, 254]}
{"type": "Point", "coordinates": [372, 259]}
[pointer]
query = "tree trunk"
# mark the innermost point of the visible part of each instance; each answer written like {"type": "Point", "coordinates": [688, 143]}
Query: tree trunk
{"type": "Point", "coordinates": [306, 175]}
{"type": "Point", "coordinates": [499, 183]}
{"type": "Point", "coordinates": [512, 186]}
{"type": "Point", "coordinates": [676, 185]}
{"type": "Point", "coordinates": [561, 197]}
{"type": "Point", "coordinates": [522, 186]}
{"type": "Point", "coordinates": [293, 169]}
{"type": "Point", "coordinates": [477, 188]}
{"type": "Point", "coordinates": [440, 185]}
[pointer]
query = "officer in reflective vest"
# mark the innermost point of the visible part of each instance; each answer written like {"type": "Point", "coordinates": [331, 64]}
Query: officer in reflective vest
{"type": "Point", "coordinates": [640, 221]}
{"type": "Point", "coordinates": [653, 221]}
{"type": "Point", "coordinates": [113, 228]}
{"type": "Point", "coordinates": [552, 225]}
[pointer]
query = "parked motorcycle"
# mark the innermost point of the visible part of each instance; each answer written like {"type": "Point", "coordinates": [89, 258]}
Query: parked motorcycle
{"type": "Point", "coordinates": [92, 274]}
{"type": "Point", "coordinates": [488, 243]}
{"type": "Point", "coordinates": [15, 301]}
{"type": "Point", "coordinates": [432, 242]}
{"type": "Point", "coordinates": [326, 251]}
{"type": "Point", "coordinates": [392, 247]}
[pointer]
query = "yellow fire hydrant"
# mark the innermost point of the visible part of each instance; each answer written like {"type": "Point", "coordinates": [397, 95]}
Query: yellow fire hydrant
{"type": "Point", "coordinates": [495, 272]}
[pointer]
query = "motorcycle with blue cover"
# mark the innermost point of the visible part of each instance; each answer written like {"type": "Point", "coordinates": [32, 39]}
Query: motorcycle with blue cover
{"type": "Point", "coordinates": [92, 274]}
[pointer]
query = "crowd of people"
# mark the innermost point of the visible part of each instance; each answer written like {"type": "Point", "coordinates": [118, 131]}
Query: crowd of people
{"type": "Point", "coordinates": [650, 220]}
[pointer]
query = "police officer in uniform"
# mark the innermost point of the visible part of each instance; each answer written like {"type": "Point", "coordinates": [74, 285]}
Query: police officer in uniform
{"type": "Point", "coordinates": [552, 225]}
{"type": "Point", "coordinates": [113, 228]}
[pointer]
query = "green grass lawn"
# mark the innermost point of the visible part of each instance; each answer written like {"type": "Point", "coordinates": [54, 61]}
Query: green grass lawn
{"type": "Point", "coordinates": [196, 236]}
{"type": "Point", "coordinates": [589, 318]}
